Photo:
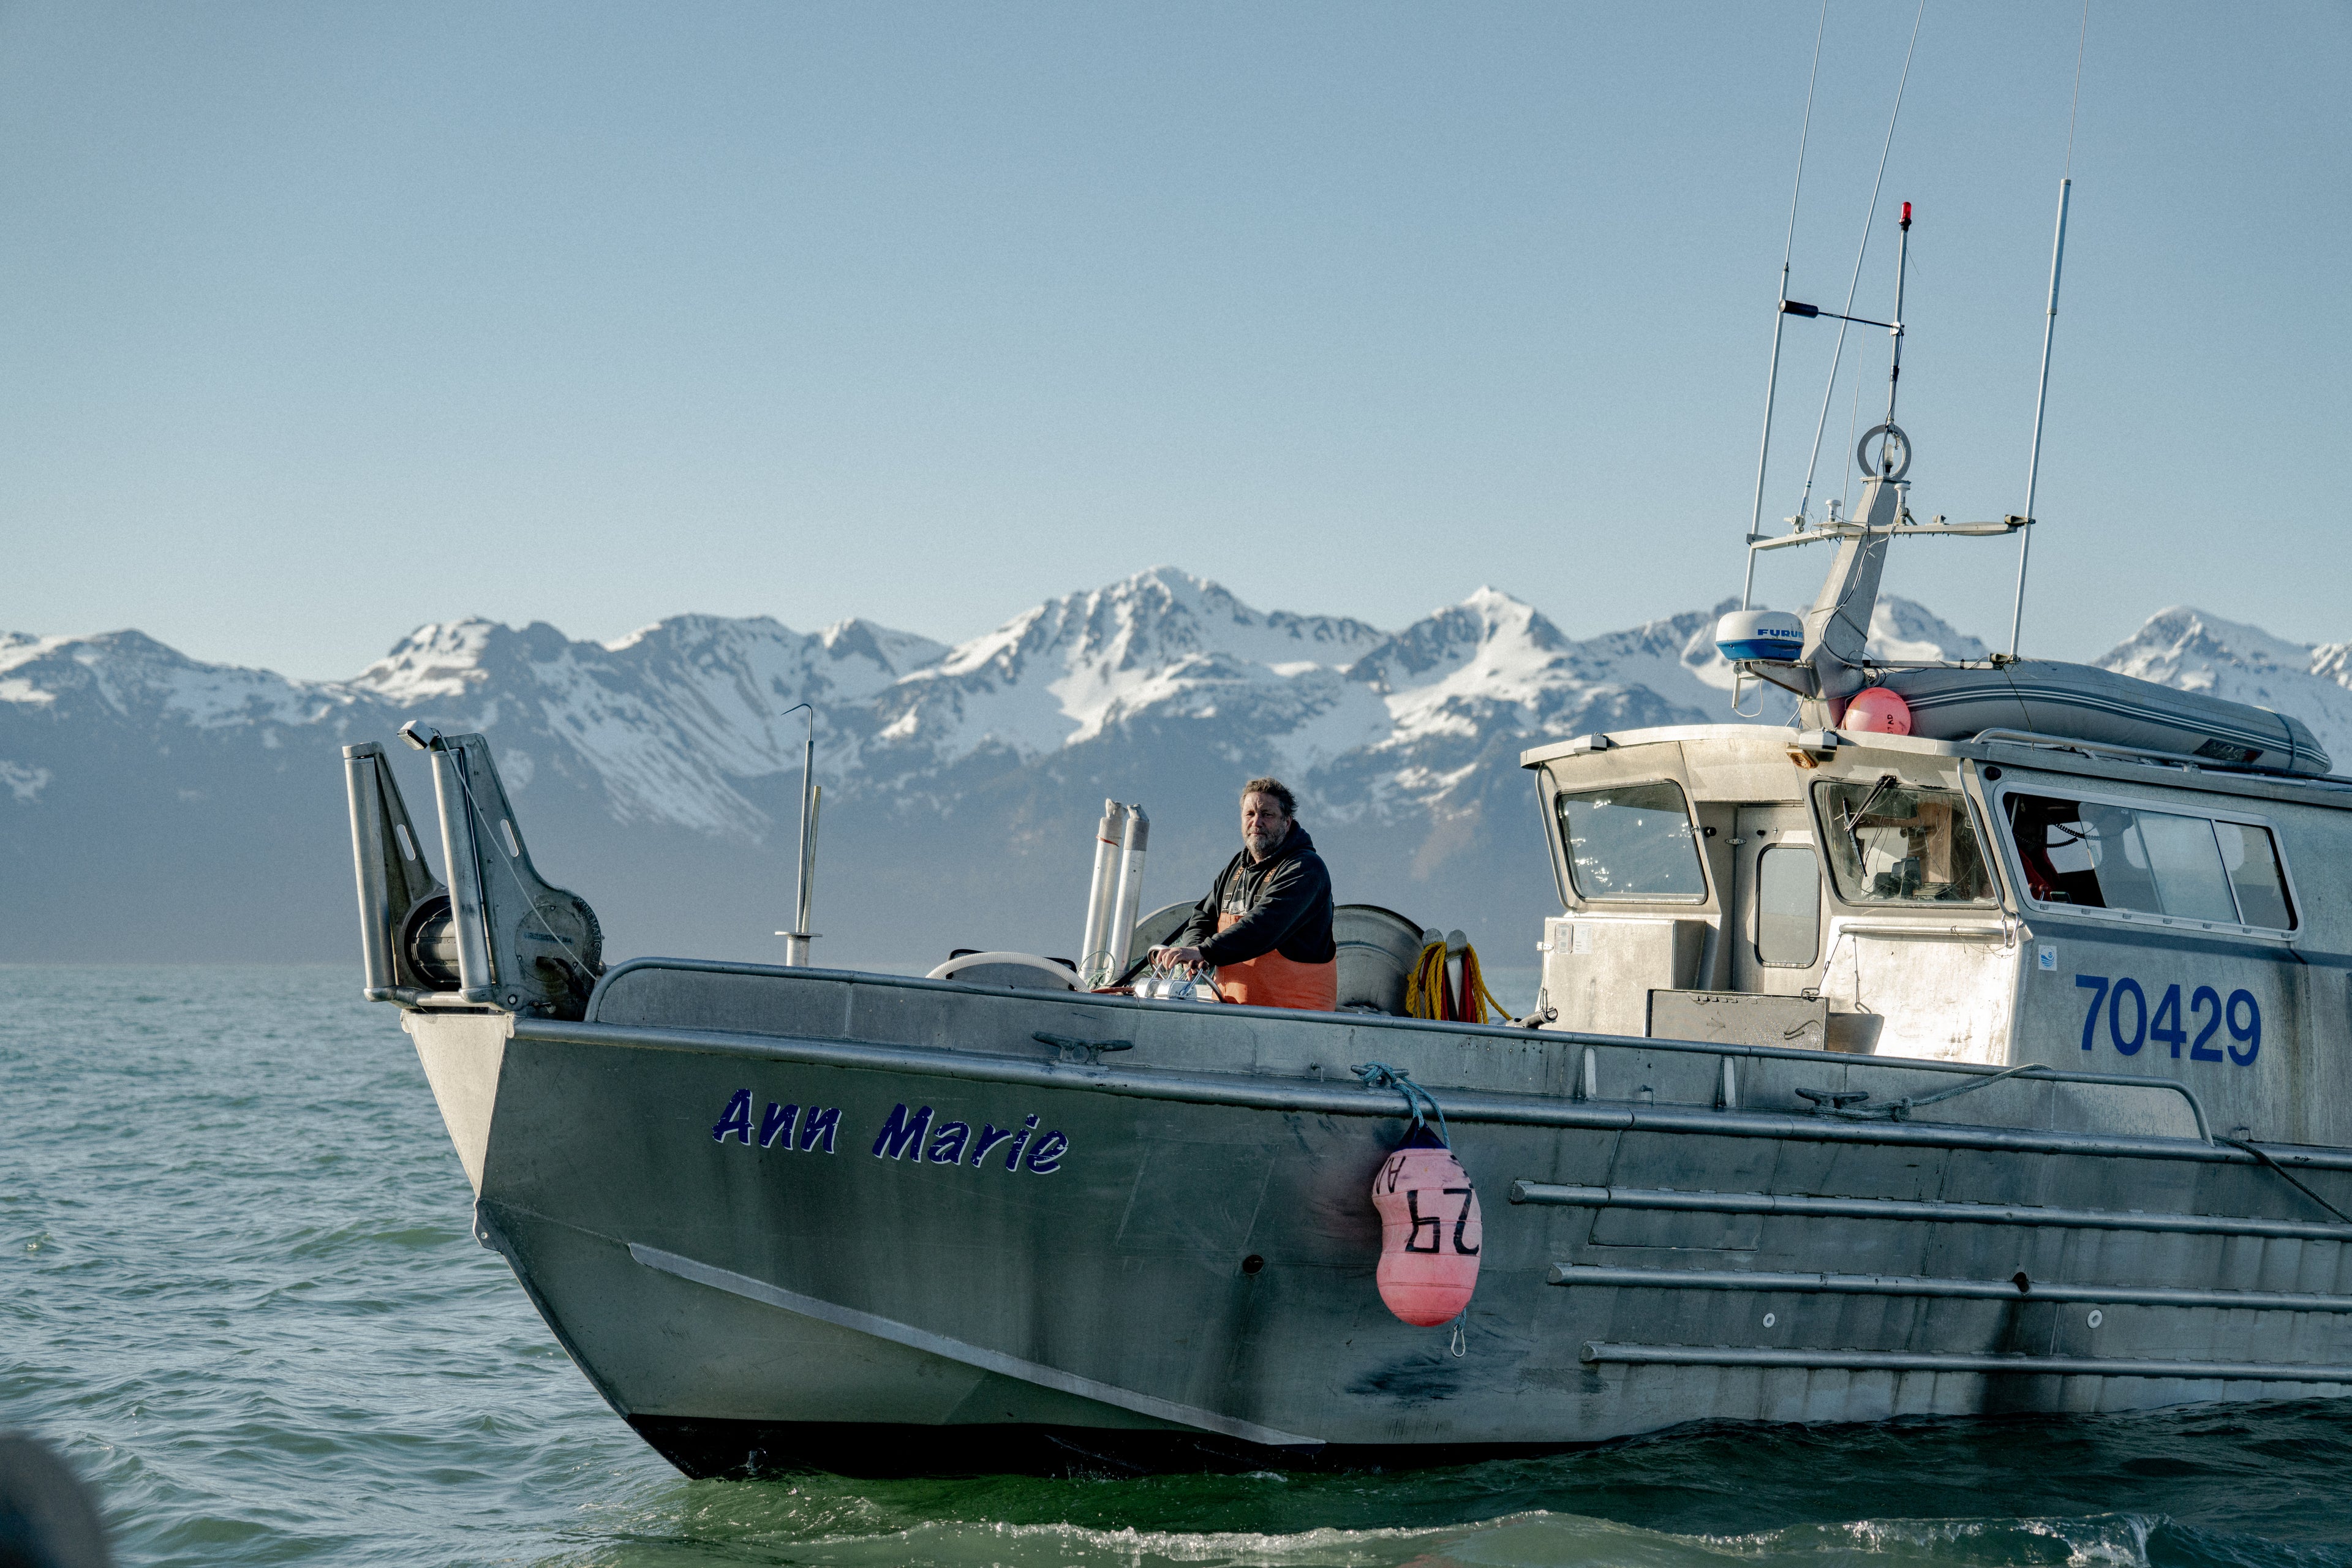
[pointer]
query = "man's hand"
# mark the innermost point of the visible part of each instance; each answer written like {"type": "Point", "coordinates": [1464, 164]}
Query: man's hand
{"type": "Point", "coordinates": [1164, 956]}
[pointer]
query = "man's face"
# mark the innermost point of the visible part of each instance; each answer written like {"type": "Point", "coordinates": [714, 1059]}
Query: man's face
{"type": "Point", "coordinates": [1264, 824]}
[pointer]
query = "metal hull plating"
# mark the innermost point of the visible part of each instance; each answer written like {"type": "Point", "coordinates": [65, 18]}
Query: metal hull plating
{"type": "Point", "coordinates": [1184, 1278]}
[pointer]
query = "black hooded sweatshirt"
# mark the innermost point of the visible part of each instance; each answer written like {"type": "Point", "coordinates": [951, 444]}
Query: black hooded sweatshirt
{"type": "Point", "coordinates": [1284, 903]}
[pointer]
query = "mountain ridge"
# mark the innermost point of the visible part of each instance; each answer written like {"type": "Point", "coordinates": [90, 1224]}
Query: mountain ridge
{"type": "Point", "coordinates": [961, 781]}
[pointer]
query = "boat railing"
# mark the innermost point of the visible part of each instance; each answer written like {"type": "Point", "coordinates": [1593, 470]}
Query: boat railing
{"type": "Point", "coordinates": [1584, 1083]}
{"type": "Point", "coordinates": [1587, 1069]}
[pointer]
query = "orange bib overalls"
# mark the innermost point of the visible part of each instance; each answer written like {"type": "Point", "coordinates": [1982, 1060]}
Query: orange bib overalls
{"type": "Point", "coordinates": [1271, 980]}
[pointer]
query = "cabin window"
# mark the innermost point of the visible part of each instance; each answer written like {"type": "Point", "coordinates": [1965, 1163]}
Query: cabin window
{"type": "Point", "coordinates": [1631, 842]}
{"type": "Point", "coordinates": [2100, 854]}
{"type": "Point", "coordinates": [2251, 857]}
{"type": "Point", "coordinates": [1893, 843]}
{"type": "Point", "coordinates": [1787, 907]}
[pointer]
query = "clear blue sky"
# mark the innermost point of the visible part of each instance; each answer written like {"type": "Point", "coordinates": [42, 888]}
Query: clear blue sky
{"type": "Point", "coordinates": [321, 321]}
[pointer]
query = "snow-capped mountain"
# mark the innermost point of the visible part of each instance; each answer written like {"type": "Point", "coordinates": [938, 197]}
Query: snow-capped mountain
{"type": "Point", "coordinates": [154, 807]}
{"type": "Point", "coordinates": [1065, 672]}
{"type": "Point", "coordinates": [666, 716]}
{"type": "Point", "coordinates": [2198, 652]}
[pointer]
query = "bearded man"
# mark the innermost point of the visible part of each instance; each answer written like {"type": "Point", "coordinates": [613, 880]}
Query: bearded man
{"type": "Point", "coordinates": [1265, 927]}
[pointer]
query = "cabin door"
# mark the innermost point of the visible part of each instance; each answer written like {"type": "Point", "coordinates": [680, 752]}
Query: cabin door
{"type": "Point", "coordinates": [1778, 912]}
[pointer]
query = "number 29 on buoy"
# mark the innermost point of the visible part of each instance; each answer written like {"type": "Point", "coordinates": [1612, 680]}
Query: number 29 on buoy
{"type": "Point", "coordinates": [1430, 1232]}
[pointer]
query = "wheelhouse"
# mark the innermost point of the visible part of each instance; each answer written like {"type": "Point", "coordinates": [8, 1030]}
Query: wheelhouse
{"type": "Point", "coordinates": [1991, 902]}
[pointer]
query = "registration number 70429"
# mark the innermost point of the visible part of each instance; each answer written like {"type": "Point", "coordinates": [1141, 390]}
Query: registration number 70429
{"type": "Point", "coordinates": [2123, 1005]}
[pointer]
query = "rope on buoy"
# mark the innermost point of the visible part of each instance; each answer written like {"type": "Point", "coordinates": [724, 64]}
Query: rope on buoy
{"type": "Point", "coordinates": [1379, 1075]}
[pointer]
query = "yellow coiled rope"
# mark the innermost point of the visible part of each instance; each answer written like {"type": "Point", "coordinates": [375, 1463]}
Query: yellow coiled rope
{"type": "Point", "coordinates": [1425, 992]}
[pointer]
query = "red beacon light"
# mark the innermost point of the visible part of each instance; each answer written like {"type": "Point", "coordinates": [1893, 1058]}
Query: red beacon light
{"type": "Point", "coordinates": [1907, 215]}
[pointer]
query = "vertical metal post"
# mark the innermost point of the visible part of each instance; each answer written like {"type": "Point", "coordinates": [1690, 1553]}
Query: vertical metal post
{"type": "Point", "coordinates": [797, 940]}
{"type": "Point", "coordinates": [477, 976]}
{"type": "Point", "coordinates": [1779, 321]}
{"type": "Point", "coordinates": [1764, 449]}
{"type": "Point", "coordinates": [1135, 838]}
{"type": "Point", "coordinates": [1895, 366]}
{"type": "Point", "coordinates": [2040, 401]}
{"type": "Point", "coordinates": [362, 784]}
{"type": "Point", "coordinates": [1102, 894]}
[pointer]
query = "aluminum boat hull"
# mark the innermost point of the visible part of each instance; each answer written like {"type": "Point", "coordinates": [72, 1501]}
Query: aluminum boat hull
{"type": "Point", "coordinates": [1187, 1282]}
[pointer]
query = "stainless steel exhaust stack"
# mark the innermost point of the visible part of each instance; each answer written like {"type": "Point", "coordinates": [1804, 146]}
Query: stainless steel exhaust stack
{"type": "Point", "coordinates": [1095, 966]}
{"type": "Point", "coordinates": [1119, 940]}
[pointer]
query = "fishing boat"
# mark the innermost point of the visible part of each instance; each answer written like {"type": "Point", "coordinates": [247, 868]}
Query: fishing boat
{"type": "Point", "coordinates": [1980, 1042]}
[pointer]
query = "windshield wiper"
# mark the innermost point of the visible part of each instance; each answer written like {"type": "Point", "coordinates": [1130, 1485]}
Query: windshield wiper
{"type": "Point", "coordinates": [1854, 821]}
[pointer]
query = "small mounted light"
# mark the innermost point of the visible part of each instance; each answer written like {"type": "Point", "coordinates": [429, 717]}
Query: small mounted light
{"type": "Point", "coordinates": [1791, 308]}
{"type": "Point", "coordinates": [1907, 215]}
{"type": "Point", "coordinates": [1813, 748]}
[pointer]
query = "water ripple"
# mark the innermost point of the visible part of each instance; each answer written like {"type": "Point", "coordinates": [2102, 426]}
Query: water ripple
{"type": "Point", "coordinates": [238, 1288]}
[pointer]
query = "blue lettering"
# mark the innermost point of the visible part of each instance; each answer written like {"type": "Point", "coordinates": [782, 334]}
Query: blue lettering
{"type": "Point", "coordinates": [1012, 1155]}
{"type": "Point", "coordinates": [2097, 985]}
{"type": "Point", "coordinates": [2127, 987]}
{"type": "Point", "coordinates": [2166, 1026]}
{"type": "Point", "coordinates": [2167, 1022]}
{"type": "Point", "coordinates": [1045, 1154]}
{"type": "Point", "coordinates": [737, 1120]}
{"type": "Point", "coordinates": [777, 1122]}
{"type": "Point", "coordinates": [991, 1136]}
{"type": "Point", "coordinates": [2206, 999]}
{"type": "Point", "coordinates": [2250, 1033]}
{"type": "Point", "coordinates": [947, 1141]}
{"type": "Point", "coordinates": [819, 1123]}
{"type": "Point", "coordinates": [900, 1131]}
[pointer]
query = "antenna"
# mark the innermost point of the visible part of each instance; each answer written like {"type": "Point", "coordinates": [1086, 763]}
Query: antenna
{"type": "Point", "coordinates": [1779, 319]}
{"type": "Point", "coordinates": [2049, 329]}
{"type": "Point", "coordinates": [797, 940]}
{"type": "Point", "coordinates": [2040, 402]}
{"type": "Point", "coordinates": [1894, 330]}
{"type": "Point", "coordinates": [1837, 356]}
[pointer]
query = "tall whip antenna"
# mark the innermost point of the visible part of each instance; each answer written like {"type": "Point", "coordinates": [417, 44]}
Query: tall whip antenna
{"type": "Point", "coordinates": [797, 940]}
{"type": "Point", "coordinates": [1772, 378]}
{"type": "Point", "coordinates": [1868, 217]}
{"type": "Point", "coordinates": [2048, 328]}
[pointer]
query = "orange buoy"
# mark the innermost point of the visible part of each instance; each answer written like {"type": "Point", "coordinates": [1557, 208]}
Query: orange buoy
{"type": "Point", "coordinates": [1430, 1231]}
{"type": "Point", "coordinates": [1877, 712]}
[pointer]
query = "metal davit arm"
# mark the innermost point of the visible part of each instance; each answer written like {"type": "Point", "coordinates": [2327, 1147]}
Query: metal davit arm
{"type": "Point", "coordinates": [522, 946]}
{"type": "Point", "coordinates": [394, 882]}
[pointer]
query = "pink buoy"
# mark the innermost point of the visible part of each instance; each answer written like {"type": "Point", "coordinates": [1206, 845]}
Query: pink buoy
{"type": "Point", "coordinates": [1430, 1232]}
{"type": "Point", "coordinates": [1877, 712]}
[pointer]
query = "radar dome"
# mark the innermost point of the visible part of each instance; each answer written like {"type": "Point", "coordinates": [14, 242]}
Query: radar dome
{"type": "Point", "coordinates": [1775, 636]}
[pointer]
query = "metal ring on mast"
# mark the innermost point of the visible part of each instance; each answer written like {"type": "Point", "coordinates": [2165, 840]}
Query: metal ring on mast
{"type": "Point", "coordinates": [1884, 467]}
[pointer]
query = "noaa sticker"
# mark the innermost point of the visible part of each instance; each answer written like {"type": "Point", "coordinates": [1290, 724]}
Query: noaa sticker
{"type": "Point", "coordinates": [2047, 957]}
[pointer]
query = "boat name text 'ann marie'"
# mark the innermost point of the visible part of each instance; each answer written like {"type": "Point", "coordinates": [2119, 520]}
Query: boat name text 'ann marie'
{"type": "Point", "coordinates": [929, 1143]}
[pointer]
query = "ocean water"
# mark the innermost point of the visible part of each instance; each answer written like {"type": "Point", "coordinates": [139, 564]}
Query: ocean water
{"type": "Point", "coordinates": [238, 1292]}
